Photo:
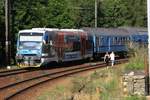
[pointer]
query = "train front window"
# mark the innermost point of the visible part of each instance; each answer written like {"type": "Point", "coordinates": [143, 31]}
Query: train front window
{"type": "Point", "coordinates": [30, 38]}
{"type": "Point", "coordinates": [30, 45]}
{"type": "Point", "coordinates": [30, 41]}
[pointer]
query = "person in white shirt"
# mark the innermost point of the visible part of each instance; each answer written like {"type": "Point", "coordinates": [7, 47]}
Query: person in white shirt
{"type": "Point", "coordinates": [112, 58]}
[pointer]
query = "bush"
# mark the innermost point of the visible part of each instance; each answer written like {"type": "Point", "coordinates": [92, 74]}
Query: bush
{"type": "Point", "coordinates": [136, 61]}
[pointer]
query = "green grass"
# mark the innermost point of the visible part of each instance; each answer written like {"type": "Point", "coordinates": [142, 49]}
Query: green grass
{"type": "Point", "coordinates": [135, 98]}
{"type": "Point", "coordinates": [108, 89]}
{"type": "Point", "coordinates": [106, 81]}
{"type": "Point", "coordinates": [59, 93]}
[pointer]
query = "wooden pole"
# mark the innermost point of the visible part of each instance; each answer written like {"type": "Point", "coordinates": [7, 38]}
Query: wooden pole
{"type": "Point", "coordinates": [146, 76]}
{"type": "Point", "coordinates": [7, 32]}
{"type": "Point", "coordinates": [95, 13]}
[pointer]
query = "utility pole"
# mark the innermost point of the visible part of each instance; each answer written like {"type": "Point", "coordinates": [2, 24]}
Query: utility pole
{"type": "Point", "coordinates": [95, 13]}
{"type": "Point", "coordinates": [7, 32]}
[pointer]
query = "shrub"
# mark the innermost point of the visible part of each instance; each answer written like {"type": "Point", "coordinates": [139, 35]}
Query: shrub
{"type": "Point", "coordinates": [136, 62]}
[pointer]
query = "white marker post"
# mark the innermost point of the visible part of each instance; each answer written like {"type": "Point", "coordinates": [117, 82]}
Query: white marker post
{"type": "Point", "coordinates": [148, 21]}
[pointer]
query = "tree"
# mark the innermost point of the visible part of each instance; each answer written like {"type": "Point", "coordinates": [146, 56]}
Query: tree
{"type": "Point", "coordinates": [115, 13]}
{"type": "Point", "coordinates": [71, 14]}
{"type": "Point", "coordinates": [136, 13]}
{"type": "Point", "coordinates": [59, 14]}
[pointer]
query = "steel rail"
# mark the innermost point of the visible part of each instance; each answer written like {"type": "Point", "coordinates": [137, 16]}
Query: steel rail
{"type": "Point", "coordinates": [45, 78]}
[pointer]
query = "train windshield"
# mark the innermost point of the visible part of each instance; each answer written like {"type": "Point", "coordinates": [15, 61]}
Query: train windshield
{"type": "Point", "coordinates": [30, 40]}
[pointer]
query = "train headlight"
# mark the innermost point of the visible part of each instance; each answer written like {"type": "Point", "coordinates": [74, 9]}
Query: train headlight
{"type": "Point", "coordinates": [19, 56]}
{"type": "Point", "coordinates": [42, 60]}
{"type": "Point", "coordinates": [20, 47]}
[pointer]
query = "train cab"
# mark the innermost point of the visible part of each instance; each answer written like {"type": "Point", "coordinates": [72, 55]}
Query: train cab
{"type": "Point", "coordinates": [29, 47]}
{"type": "Point", "coordinates": [34, 47]}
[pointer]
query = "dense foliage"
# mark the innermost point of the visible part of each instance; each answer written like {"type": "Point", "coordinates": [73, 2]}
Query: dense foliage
{"type": "Point", "coordinates": [71, 14]}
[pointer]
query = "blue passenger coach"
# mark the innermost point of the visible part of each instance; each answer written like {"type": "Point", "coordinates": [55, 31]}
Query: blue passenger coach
{"type": "Point", "coordinates": [115, 39]}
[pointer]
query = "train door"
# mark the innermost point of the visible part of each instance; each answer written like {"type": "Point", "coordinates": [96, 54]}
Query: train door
{"type": "Point", "coordinates": [83, 45]}
{"type": "Point", "coordinates": [89, 46]}
{"type": "Point", "coordinates": [48, 48]}
{"type": "Point", "coordinates": [72, 47]}
{"type": "Point", "coordinates": [59, 46]}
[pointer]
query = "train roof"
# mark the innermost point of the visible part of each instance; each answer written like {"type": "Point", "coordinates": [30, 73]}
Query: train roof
{"type": "Point", "coordinates": [46, 29]}
{"type": "Point", "coordinates": [30, 30]}
{"type": "Point", "coordinates": [59, 30]}
{"type": "Point", "coordinates": [38, 30]}
{"type": "Point", "coordinates": [136, 30]}
{"type": "Point", "coordinates": [56, 29]}
{"type": "Point", "coordinates": [116, 31]}
{"type": "Point", "coordinates": [72, 30]}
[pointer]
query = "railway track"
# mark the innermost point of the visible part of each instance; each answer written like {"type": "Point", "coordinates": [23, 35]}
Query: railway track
{"type": "Point", "coordinates": [17, 88]}
{"type": "Point", "coordinates": [13, 72]}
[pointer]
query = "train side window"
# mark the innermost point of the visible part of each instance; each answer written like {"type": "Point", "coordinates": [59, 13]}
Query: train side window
{"type": "Point", "coordinates": [113, 41]}
{"type": "Point", "coordinates": [101, 41]}
{"type": "Point", "coordinates": [76, 46]}
{"type": "Point", "coordinates": [128, 38]}
{"type": "Point", "coordinates": [125, 40]}
{"type": "Point", "coordinates": [97, 41]}
{"type": "Point", "coordinates": [120, 40]}
{"type": "Point", "coordinates": [116, 40]}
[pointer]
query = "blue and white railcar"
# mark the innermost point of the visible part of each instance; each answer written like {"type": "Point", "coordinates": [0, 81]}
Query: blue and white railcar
{"type": "Point", "coordinates": [31, 48]}
{"type": "Point", "coordinates": [43, 45]}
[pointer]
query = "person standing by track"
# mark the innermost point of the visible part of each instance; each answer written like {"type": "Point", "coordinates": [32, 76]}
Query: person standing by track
{"type": "Point", "coordinates": [106, 59]}
{"type": "Point", "coordinates": [112, 58]}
